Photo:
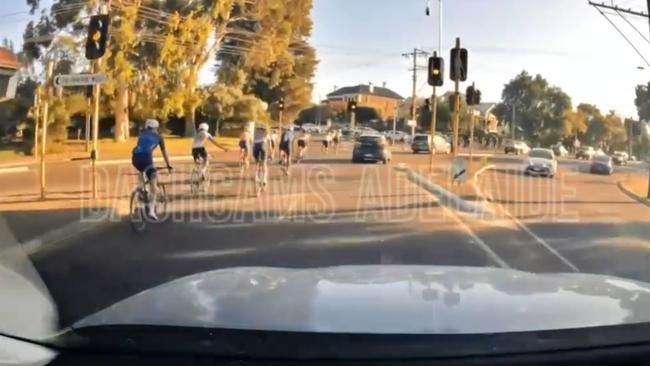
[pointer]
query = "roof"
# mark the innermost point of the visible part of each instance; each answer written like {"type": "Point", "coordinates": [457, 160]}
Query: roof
{"type": "Point", "coordinates": [485, 107]}
{"type": "Point", "coordinates": [365, 90]}
{"type": "Point", "coordinates": [8, 59]}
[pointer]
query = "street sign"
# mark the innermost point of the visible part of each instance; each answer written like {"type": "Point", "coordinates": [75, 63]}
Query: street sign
{"type": "Point", "coordinates": [80, 79]}
{"type": "Point", "coordinates": [459, 169]}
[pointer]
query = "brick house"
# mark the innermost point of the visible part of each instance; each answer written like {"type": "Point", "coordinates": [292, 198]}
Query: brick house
{"type": "Point", "coordinates": [384, 100]}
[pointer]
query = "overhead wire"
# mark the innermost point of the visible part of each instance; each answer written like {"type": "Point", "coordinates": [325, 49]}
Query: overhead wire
{"type": "Point", "coordinates": [625, 37]}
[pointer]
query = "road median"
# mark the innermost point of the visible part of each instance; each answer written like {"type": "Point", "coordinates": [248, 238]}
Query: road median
{"type": "Point", "coordinates": [632, 188]}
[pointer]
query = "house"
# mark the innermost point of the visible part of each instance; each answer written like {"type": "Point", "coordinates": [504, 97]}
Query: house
{"type": "Point", "coordinates": [8, 74]}
{"type": "Point", "coordinates": [486, 118]}
{"type": "Point", "coordinates": [384, 100]}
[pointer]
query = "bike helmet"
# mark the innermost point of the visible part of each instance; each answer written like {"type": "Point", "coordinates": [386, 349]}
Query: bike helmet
{"type": "Point", "coordinates": [204, 127]}
{"type": "Point", "coordinates": [151, 124]}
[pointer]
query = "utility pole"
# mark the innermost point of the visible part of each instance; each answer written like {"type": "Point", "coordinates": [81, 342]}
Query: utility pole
{"type": "Point", "coordinates": [93, 153]}
{"type": "Point", "coordinates": [46, 107]}
{"type": "Point", "coordinates": [414, 54]}
{"type": "Point", "coordinates": [37, 111]}
{"type": "Point", "coordinates": [513, 120]}
{"type": "Point", "coordinates": [457, 65]}
{"type": "Point", "coordinates": [89, 101]}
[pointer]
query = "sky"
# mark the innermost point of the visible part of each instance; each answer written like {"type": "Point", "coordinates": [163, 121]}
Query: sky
{"type": "Point", "coordinates": [566, 41]}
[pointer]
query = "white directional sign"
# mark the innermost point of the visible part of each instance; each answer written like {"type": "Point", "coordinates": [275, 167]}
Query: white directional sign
{"type": "Point", "coordinates": [460, 169]}
{"type": "Point", "coordinates": [79, 80]}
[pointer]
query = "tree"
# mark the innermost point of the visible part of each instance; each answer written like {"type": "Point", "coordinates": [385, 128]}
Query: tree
{"type": "Point", "coordinates": [540, 109]}
{"type": "Point", "coordinates": [642, 101]}
{"type": "Point", "coordinates": [316, 113]}
{"type": "Point", "coordinates": [280, 64]}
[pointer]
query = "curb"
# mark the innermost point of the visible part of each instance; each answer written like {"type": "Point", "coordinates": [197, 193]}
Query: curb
{"type": "Point", "coordinates": [446, 198]}
{"type": "Point", "coordinates": [628, 192]}
{"type": "Point", "coordinates": [16, 169]}
{"type": "Point", "coordinates": [52, 237]}
{"type": "Point", "coordinates": [477, 174]}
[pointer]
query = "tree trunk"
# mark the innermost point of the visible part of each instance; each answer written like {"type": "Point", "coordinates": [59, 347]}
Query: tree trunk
{"type": "Point", "coordinates": [190, 113]}
{"type": "Point", "coordinates": [190, 121]}
{"type": "Point", "coordinates": [121, 110]}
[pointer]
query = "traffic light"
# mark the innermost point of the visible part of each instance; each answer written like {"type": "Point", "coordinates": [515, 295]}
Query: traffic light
{"type": "Point", "coordinates": [97, 36]}
{"type": "Point", "coordinates": [427, 105]}
{"type": "Point", "coordinates": [352, 105]}
{"type": "Point", "coordinates": [436, 71]}
{"type": "Point", "coordinates": [636, 128]}
{"type": "Point", "coordinates": [281, 104]}
{"type": "Point", "coordinates": [472, 95]}
{"type": "Point", "coordinates": [458, 60]}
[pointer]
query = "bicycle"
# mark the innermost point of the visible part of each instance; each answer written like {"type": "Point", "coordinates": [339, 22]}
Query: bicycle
{"type": "Point", "coordinates": [139, 203]}
{"type": "Point", "coordinates": [199, 178]}
{"type": "Point", "coordinates": [284, 163]}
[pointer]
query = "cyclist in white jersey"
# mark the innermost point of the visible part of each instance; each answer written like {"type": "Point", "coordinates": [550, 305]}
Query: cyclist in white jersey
{"type": "Point", "coordinates": [199, 153]}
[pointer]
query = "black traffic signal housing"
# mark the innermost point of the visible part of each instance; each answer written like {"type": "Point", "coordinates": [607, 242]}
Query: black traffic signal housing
{"type": "Point", "coordinates": [636, 128]}
{"type": "Point", "coordinates": [97, 36]}
{"type": "Point", "coordinates": [352, 105]}
{"type": "Point", "coordinates": [436, 71]}
{"type": "Point", "coordinates": [281, 104]}
{"type": "Point", "coordinates": [458, 60]}
{"type": "Point", "coordinates": [472, 95]}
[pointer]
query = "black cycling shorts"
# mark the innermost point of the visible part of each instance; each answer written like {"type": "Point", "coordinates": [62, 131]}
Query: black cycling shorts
{"type": "Point", "coordinates": [243, 145]}
{"type": "Point", "coordinates": [284, 147]}
{"type": "Point", "coordinates": [259, 153]}
{"type": "Point", "coordinates": [301, 143]}
{"type": "Point", "coordinates": [199, 153]}
{"type": "Point", "coordinates": [326, 143]}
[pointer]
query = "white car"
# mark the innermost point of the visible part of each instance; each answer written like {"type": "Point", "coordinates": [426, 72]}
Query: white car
{"type": "Point", "coordinates": [311, 128]}
{"type": "Point", "coordinates": [422, 143]}
{"type": "Point", "coordinates": [516, 147]}
{"type": "Point", "coordinates": [541, 162]}
{"type": "Point", "coordinates": [398, 136]}
{"type": "Point", "coordinates": [559, 150]}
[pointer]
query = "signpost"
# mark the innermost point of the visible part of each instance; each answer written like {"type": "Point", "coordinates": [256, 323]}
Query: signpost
{"type": "Point", "coordinates": [460, 169]}
{"type": "Point", "coordinates": [79, 80]}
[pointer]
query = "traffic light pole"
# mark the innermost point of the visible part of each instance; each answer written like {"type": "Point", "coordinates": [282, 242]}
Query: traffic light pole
{"type": "Point", "coordinates": [89, 103]}
{"type": "Point", "coordinates": [93, 153]}
{"type": "Point", "coordinates": [471, 135]}
{"type": "Point", "coordinates": [37, 114]}
{"type": "Point", "coordinates": [434, 117]}
{"type": "Point", "coordinates": [457, 99]}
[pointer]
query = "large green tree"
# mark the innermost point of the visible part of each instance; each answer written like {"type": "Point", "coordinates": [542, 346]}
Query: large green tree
{"type": "Point", "coordinates": [642, 101]}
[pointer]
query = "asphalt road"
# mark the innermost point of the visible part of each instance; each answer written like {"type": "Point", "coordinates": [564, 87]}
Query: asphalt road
{"type": "Point", "coordinates": [330, 212]}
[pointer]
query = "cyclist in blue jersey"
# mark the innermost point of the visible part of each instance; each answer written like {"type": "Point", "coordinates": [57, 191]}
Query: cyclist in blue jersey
{"type": "Point", "coordinates": [142, 159]}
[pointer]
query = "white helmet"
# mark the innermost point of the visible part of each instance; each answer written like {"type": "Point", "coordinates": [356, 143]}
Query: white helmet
{"type": "Point", "coordinates": [204, 127]}
{"type": "Point", "coordinates": [151, 123]}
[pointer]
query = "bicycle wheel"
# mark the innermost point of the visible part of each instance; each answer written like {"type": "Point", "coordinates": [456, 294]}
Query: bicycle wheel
{"type": "Point", "coordinates": [136, 210]}
{"type": "Point", "coordinates": [161, 201]}
{"type": "Point", "coordinates": [195, 181]}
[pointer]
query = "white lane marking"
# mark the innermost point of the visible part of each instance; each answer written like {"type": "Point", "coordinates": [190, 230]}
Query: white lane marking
{"type": "Point", "coordinates": [17, 169]}
{"type": "Point", "coordinates": [531, 233]}
{"type": "Point", "coordinates": [478, 241]}
{"type": "Point", "coordinates": [128, 161]}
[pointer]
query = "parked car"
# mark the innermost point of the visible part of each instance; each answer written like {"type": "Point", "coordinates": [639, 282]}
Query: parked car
{"type": "Point", "coordinates": [422, 143]}
{"type": "Point", "coordinates": [541, 161]}
{"type": "Point", "coordinates": [397, 136]}
{"type": "Point", "coordinates": [601, 164]}
{"type": "Point", "coordinates": [620, 158]}
{"type": "Point", "coordinates": [311, 128]}
{"type": "Point", "coordinates": [559, 150]}
{"type": "Point", "coordinates": [585, 152]}
{"type": "Point", "coordinates": [516, 147]}
{"type": "Point", "coordinates": [371, 147]}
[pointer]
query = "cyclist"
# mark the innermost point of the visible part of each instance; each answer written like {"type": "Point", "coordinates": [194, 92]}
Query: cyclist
{"type": "Point", "coordinates": [303, 141]}
{"type": "Point", "coordinates": [142, 159]}
{"type": "Point", "coordinates": [286, 140]}
{"type": "Point", "coordinates": [199, 153]}
{"type": "Point", "coordinates": [260, 148]}
{"type": "Point", "coordinates": [244, 140]}
{"type": "Point", "coordinates": [326, 142]}
{"type": "Point", "coordinates": [336, 138]}
{"type": "Point", "coordinates": [273, 139]}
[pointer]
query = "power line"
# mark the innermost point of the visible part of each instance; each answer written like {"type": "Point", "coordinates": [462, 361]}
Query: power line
{"type": "Point", "coordinates": [633, 26]}
{"type": "Point", "coordinates": [621, 32]}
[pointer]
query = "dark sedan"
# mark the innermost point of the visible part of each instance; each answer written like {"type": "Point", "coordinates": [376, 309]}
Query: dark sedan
{"type": "Point", "coordinates": [372, 148]}
{"type": "Point", "coordinates": [601, 164]}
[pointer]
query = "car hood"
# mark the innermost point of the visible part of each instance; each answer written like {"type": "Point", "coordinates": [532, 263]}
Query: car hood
{"type": "Point", "coordinates": [540, 161]}
{"type": "Point", "coordinates": [383, 300]}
